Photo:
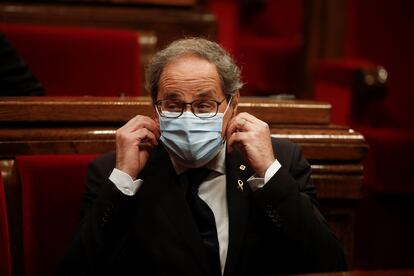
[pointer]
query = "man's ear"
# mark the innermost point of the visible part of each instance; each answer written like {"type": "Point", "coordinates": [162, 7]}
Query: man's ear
{"type": "Point", "coordinates": [235, 101]}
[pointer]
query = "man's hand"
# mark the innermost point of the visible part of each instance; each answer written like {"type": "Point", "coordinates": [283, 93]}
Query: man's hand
{"type": "Point", "coordinates": [133, 141]}
{"type": "Point", "coordinates": [252, 136]}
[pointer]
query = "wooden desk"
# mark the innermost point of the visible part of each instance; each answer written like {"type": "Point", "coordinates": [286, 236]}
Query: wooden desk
{"type": "Point", "coordinates": [87, 125]}
{"type": "Point", "coordinates": [402, 272]}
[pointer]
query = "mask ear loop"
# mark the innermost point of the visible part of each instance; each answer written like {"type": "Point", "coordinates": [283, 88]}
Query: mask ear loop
{"type": "Point", "coordinates": [229, 103]}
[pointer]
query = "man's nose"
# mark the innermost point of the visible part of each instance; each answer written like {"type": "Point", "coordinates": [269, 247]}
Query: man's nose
{"type": "Point", "coordinates": [187, 107]}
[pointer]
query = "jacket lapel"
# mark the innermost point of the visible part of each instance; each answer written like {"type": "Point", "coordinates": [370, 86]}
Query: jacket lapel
{"type": "Point", "coordinates": [172, 201]}
{"type": "Point", "coordinates": [238, 204]}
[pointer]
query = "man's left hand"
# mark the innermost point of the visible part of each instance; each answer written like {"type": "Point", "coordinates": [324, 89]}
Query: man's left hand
{"type": "Point", "coordinates": [252, 136]}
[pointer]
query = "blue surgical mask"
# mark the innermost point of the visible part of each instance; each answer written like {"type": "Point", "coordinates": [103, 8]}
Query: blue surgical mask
{"type": "Point", "coordinates": [191, 140]}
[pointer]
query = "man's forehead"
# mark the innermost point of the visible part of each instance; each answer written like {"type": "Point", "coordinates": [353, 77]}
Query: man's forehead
{"type": "Point", "coordinates": [189, 74]}
{"type": "Point", "coordinates": [190, 65]}
{"type": "Point", "coordinates": [196, 94]}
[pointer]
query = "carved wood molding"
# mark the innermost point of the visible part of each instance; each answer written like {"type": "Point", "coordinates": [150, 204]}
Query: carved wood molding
{"type": "Point", "coordinates": [120, 110]}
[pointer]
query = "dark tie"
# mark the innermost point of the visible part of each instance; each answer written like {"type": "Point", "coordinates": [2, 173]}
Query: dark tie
{"type": "Point", "coordinates": [202, 214]}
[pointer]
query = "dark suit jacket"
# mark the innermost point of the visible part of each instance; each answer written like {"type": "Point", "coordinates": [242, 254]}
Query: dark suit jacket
{"type": "Point", "coordinates": [275, 230]}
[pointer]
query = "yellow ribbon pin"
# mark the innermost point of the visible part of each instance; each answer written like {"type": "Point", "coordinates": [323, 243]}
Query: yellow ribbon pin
{"type": "Point", "coordinates": [240, 184]}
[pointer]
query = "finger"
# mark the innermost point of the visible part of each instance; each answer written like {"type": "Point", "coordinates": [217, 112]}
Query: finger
{"type": "Point", "coordinates": [140, 121]}
{"type": "Point", "coordinates": [144, 137]}
{"type": "Point", "coordinates": [232, 126]}
{"type": "Point", "coordinates": [150, 138]}
{"type": "Point", "coordinates": [155, 129]}
{"type": "Point", "coordinates": [249, 117]}
{"type": "Point", "coordinates": [238, 138]}
{"type": "Point", "coordinates": [143, 128]}
{"type": "Point", "coordinates": [133, 121]}
{"type": "Point", "coordinates": [148, 123]}
{"type": "Point", "coordinates": [251, 123]}
{"type": "Point", "coordinates": [238, 123]}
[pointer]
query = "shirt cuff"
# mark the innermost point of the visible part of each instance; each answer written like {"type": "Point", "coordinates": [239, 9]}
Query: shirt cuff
{"type": "Point", "coordinates": [124, 182]}
{"type": "Point", "coordinates": [259, 182]}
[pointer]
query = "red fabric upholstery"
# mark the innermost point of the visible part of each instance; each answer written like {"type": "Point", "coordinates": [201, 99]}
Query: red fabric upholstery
{"type": "Point", "coordinates": [268, 45]}
{"type": "Point", "coordinates": [271, 48]}
{"type": "Point", "coordinates": [387, 167]}
{"type": "Point", "coordinates": [381, 31]}
{"type": "Point", "coordinates": [5, 256]}
{"type": "Point", "coordinates": [334, 83]}
{"type": "Point", "coordinates": [52, 186]}
{"type": "Point", "coordinates": [340, 71]}
{"type": "Point", "coordinates": [270, 64]}
{"type": "Point", "coordinates": [279, 18]}
{"type": "Point", "coordinates": [227, 16]}
{"type": "Point", "coordinates": [339, 97]}
{"type": "Point", "coordinates": [75, 61]}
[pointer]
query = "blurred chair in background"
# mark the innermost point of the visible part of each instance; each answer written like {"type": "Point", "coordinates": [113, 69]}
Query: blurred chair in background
{"type": "Point", "coordinates": [267, 38]}
{"type": "Point", "coordinates": [52, 186]}
{"type": "Point", "coordinates": [5, 256]}
{"type": "Point", "coordinates": [77, 61]}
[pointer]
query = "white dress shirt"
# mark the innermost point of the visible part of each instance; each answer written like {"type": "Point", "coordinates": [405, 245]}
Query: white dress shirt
{"type": "Point", "coordinates": [212, 191]}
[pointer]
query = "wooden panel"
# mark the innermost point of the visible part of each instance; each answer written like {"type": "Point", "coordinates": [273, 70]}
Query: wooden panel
{"type": "Point", "coordinates": [100, 109]}
{"type": "Point", "coordinates": [341, 220]}
{"type": "Point", "coordinates": [152, 2]}
{"type": "Point", "coordinates": [16, 140]}
{"type": "Point", "coordinates": [171, 3]}
{"type": "Point", "coordinates": [395, 272]}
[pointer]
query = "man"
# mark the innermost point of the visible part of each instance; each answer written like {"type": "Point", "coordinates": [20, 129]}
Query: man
{"type": "Point", "coordinates": [253, 212]}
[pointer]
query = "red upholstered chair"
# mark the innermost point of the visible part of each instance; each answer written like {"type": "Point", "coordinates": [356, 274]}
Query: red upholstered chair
{"type": "Point", "coordinates": [52, 186]}
{"type": "Point", "coordinates": [5, 257]}
{"type": "Point", "coordinates": [77, 61]}
{"type": "Point", "coordinates": [357, 91]}
{"type": "Point", "coordinates": [227, 16]}
{"type": "Point", "coordinates": [271, 46]}
{"type": "Point", "coordinates": [267, 41]}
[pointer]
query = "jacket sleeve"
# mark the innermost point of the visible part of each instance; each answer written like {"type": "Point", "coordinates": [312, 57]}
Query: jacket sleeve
{"type": "Point", "coordinates": [288, 201]}
{"type": "Point", "coordinates": [105, 217]}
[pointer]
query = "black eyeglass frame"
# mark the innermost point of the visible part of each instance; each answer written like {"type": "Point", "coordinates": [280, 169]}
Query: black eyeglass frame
{"type": "Point", "coordinates": [184, 106]}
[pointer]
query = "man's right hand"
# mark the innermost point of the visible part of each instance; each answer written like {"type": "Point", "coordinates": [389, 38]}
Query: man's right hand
{"type": "Point", "coordinates": [133, 142]}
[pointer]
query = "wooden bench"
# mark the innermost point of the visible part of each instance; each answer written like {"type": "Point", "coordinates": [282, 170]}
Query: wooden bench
{"type": "Point", "coordinates": [60, 125]}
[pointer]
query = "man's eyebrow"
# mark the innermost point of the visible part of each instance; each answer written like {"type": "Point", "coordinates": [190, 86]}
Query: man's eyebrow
{"type": "Point", "coordinates": [172, 95]}
{"type": "Point", "coordinates": [205, 94]}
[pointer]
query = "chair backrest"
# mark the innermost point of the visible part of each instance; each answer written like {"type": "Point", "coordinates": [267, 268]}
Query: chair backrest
{"type": "Point", "coordinates": [52, 186]}
{"type": "Point", "coordinates": [5, 256]}
{"type": "Point", "coordinates": [78, 61]}
{"type": "Point", "coordinates": [268, 42]}
{"type": "Point", "coordinates": [356, 89]}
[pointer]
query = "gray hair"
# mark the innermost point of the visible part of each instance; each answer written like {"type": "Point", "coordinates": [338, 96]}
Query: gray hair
{"type": "Point", "coordinates": [227, 69]}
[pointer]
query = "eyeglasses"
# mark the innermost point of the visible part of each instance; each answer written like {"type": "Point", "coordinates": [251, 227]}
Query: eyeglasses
{"type": "Point", "coordinates": [200, 108]}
